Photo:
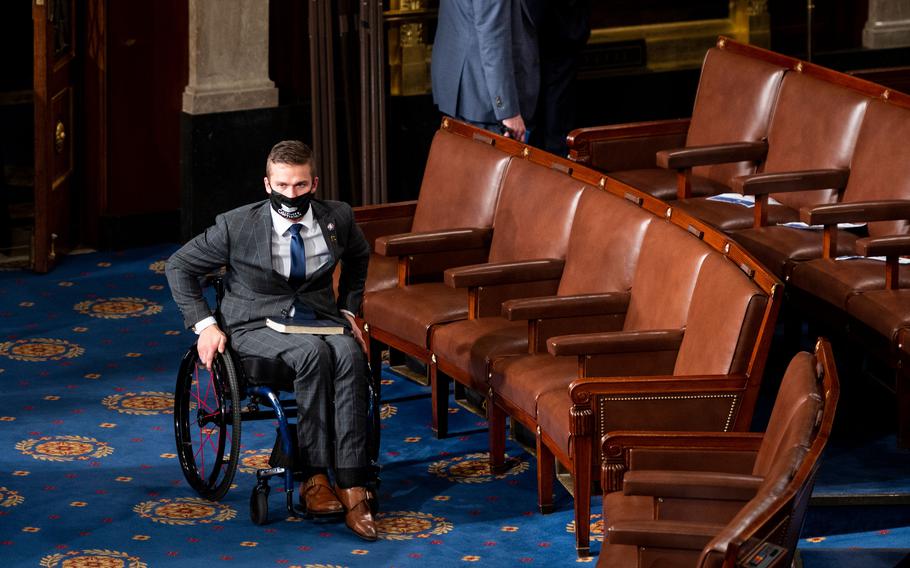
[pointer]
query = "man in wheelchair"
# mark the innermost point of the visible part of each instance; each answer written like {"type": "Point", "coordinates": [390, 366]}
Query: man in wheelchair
{"type": "Point", "coordinates": [280, 255]}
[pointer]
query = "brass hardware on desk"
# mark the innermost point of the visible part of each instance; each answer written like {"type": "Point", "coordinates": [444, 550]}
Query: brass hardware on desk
{"type": "Point", "coordinates": [59, 137]}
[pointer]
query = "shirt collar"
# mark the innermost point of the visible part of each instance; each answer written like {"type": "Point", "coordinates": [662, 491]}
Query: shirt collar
{"type": "Point", "coordinates": [281, 225]}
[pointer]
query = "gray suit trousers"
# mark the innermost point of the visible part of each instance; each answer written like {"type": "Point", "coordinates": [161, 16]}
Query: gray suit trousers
{"type": "Point", "coordinates": [331, 372]}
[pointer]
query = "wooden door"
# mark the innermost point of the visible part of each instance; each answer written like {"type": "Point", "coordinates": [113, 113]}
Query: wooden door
{"type": "Point", "coordinates": [54, 54]}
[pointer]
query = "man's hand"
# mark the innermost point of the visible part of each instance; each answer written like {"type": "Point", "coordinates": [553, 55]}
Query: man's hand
{"type": "Point", "coordinates": [358, 334]}
{"type": "Point", "coordinates": [211, 339]}
{"type": "Point", "coordinates": [515, 127]}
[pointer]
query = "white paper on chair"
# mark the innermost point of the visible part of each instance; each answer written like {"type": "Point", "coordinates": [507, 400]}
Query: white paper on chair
{"type": "Point", "coordinates": [804, 227]}
{"type": "Point", "coordinates": [738, 199]}
{"type": "Point", "coordinates": [900, 260]}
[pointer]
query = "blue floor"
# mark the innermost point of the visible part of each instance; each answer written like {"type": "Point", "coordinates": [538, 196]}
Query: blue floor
{"type": "Point", "coordinates": [88, 474]}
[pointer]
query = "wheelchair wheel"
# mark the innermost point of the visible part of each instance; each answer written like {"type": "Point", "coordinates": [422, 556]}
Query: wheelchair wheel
{"type": "Point", "coordinates": [207, 423]}
{"type": "Point", "coordinates": [259, 504]}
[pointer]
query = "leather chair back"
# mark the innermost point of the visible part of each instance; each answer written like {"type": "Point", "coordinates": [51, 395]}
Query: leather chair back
{"type": "Point", "coordinates": [733, 104]}
{"type": "Point", "coordinates": [460, 184]}
{"type": "Point", "coordinates": [723, 321]}
{"type": "Point", "coordinates": [881, 163]}
{"type": "Point", "coordinates": [813, 126]}
{"type": "Point", "coordinates": [604, 245]}
{"type": "Point", "coordinates": [665, 277]}
{"type": "Point", "coordinates": [534, 215]}
{"type": "Point", "coordinates": [794, 414]}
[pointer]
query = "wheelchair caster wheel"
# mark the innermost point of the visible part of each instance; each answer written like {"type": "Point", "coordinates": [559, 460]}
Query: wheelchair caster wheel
{"type": "Point", "coordinates": [259, 505]}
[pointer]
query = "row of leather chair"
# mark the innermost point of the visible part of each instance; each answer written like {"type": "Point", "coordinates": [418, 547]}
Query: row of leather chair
{"type": "Point", "coordinates": [821, 155]}
{"type": "Point", "coordinates": [571, 307]}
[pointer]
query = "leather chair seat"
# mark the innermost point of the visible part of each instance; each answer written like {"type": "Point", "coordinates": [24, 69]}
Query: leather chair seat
{"type": "Point", "coordinates": [731, 217]}
{"type": "Point", "coordinates": [471, 344]}
{"type": "Point", "coordinates": [382, 273]}
{"type": "Point", "coordinates": [779, 248]}
{"type": "Point", "coordinates": [885, 311]}
{"type": "Point", "coordinates": [835, 281]}
{"type": "Point", "coordinates": [553, 408]}
{"type": "Point", "coordinates": [521, 380]}
{"type": "Point", "coordinates": [408, 313]}
{"type": "Point", "coordinates": [661, 183]}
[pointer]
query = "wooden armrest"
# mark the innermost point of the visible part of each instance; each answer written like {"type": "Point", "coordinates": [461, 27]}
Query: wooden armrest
{"type": "Point", "coordinates": [384, 211]}
{"type": "Point", "coordinates": [703, 441]}
{"type": "Point", "coordinates": [582, 389]}
{"type": "Point", "coordinates": [504, 273]}
{"type": "Point", "coordinates": [615, 342]}
{"type": "Point", "coordinates": [586, 135]}
{"type": "Point", "coordinates": [895, 245]}
{"type": "Point", "coordinates": [779, 182]}
{"type": "Point", "coordinates": [665, 133]}
{"type": "Point", "coordinates": [691, 484]}
{"type": "Point", "coordinates": [433, 241]}
{"type": "Point", "coordinates": [566, 306]}
{"type": "Point", "coordinates": [663, 534]}
{"type": "Point", "coordinates": [681, 158]}
{"type": "Point", "coordinates": [856, 212]}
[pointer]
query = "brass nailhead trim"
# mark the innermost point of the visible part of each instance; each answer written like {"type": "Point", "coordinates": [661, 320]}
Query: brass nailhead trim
{"type": "Point", "coordinates": [734, 399]}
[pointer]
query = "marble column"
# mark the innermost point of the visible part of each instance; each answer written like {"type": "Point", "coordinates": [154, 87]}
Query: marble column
{"type": "Point", "coordinates": [888, 24]}
{"type": "Point", "coordinates": [228, 57]}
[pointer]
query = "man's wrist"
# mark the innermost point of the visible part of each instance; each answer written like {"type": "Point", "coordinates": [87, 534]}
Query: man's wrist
{"type": "Point", "coordinates": [347, 313]}
{"type": "Point", "coordinates": [203, 323]}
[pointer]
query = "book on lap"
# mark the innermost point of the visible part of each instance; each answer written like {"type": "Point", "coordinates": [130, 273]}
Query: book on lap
{"type": "Point", "coordinates": [311, 326]}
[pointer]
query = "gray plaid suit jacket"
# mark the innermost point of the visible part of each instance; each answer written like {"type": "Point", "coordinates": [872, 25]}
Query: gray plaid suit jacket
{"type": "Point", "coordinates": [241, 240]}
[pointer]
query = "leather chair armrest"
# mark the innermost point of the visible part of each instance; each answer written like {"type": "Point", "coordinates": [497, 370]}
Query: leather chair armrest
{"type": "Point", "coordinates": [566, 306]}
{"type": "Point", "coordinates": [896, 245]}
{"type": "Point", "coordinates": [615, 342]}
{"type": "Point", "coordinates": [581, 136]}
{"type": "Point", "coordinates": [691, 484]}
{"type": "Point", "coordinates": [856, 212]}
{"type": "Point", "coordinates": [690, 441]}
{"type": "Point", "coordinates": [685, 535]}
{"type": "Point", "coordinates": [492, 274]}
{"type": "Point", "coordinates": [625, 146]}
{"type": "Point", "coordinates": [682, 158]}
{"type": "Point", "coordinates": [433, 241]}
{"type": "Point", "coordinates": [779, 182]}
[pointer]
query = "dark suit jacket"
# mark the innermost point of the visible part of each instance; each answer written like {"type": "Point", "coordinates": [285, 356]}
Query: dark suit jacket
{"type": "Point", "coordinates": [241, 240]}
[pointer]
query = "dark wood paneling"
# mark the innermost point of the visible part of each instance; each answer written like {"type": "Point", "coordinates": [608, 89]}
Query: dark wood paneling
{"type": "Point", "coordinates": [146, 74]}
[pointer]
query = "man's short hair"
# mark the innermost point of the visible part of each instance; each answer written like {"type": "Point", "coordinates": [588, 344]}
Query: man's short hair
{"type": "Point", "coordinates": [293, 152]}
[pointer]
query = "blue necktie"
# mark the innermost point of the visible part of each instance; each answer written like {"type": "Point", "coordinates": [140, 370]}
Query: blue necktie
{"type": "Point", "coordinates": [298, 257]}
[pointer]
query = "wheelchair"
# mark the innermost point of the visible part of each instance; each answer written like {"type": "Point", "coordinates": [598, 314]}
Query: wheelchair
{"type": "Point", "coordinates": [210, 406]}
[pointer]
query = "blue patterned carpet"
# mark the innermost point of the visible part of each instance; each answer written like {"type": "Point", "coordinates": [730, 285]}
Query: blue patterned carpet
{"type": "Point", "coordinates": [89, 477]}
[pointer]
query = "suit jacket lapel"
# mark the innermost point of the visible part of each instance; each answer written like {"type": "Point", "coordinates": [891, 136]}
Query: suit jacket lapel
{"type": "Point", "coordinates": [263, 231]}
{"type": "Point", "coordinates": [327, 223]}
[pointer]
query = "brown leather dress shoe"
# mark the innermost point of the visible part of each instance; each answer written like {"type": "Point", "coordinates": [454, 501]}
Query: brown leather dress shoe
{"type": "Point", "coordinates": [317, 497]}
{"type": "Point", "coordinates": [359, 516]}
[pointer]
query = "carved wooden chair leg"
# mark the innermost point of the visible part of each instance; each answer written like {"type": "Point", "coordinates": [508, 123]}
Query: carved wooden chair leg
{"type": "Point", "coordinates": [546, 474]}
{"type": "Point", "coordinates": [496, 418]}
{"type": "Point", "coordinates": [439, 389]}
{"type": "Point", "coordinates": [581, 449]}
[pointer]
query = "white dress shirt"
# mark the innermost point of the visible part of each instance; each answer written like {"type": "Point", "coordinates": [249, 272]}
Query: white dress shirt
{"type": "Point", "coordinates": [317, 250]}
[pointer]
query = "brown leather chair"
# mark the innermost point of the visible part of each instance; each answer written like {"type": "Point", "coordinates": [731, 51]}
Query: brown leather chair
{"type": "Point", "coordinates": [710, 499]}
{"type": "Point", "coordinates": [872, 178]}
{"type": "Point", "coordinates": [532, 222]}
{"type": "Point", "coordinates": [447, 201]}
{"type": "Point", "coordinates": [603, 250]}
{"type": "Point", "coordinates": [736, 92]}
{"type": "Point", "coordinates": [813, 130]}
{"type": "Point", "coordinates": [707, 322]}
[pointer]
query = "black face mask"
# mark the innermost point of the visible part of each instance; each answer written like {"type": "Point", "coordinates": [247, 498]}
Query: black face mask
{"type": "Point", "coordinates": [291, 208]}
